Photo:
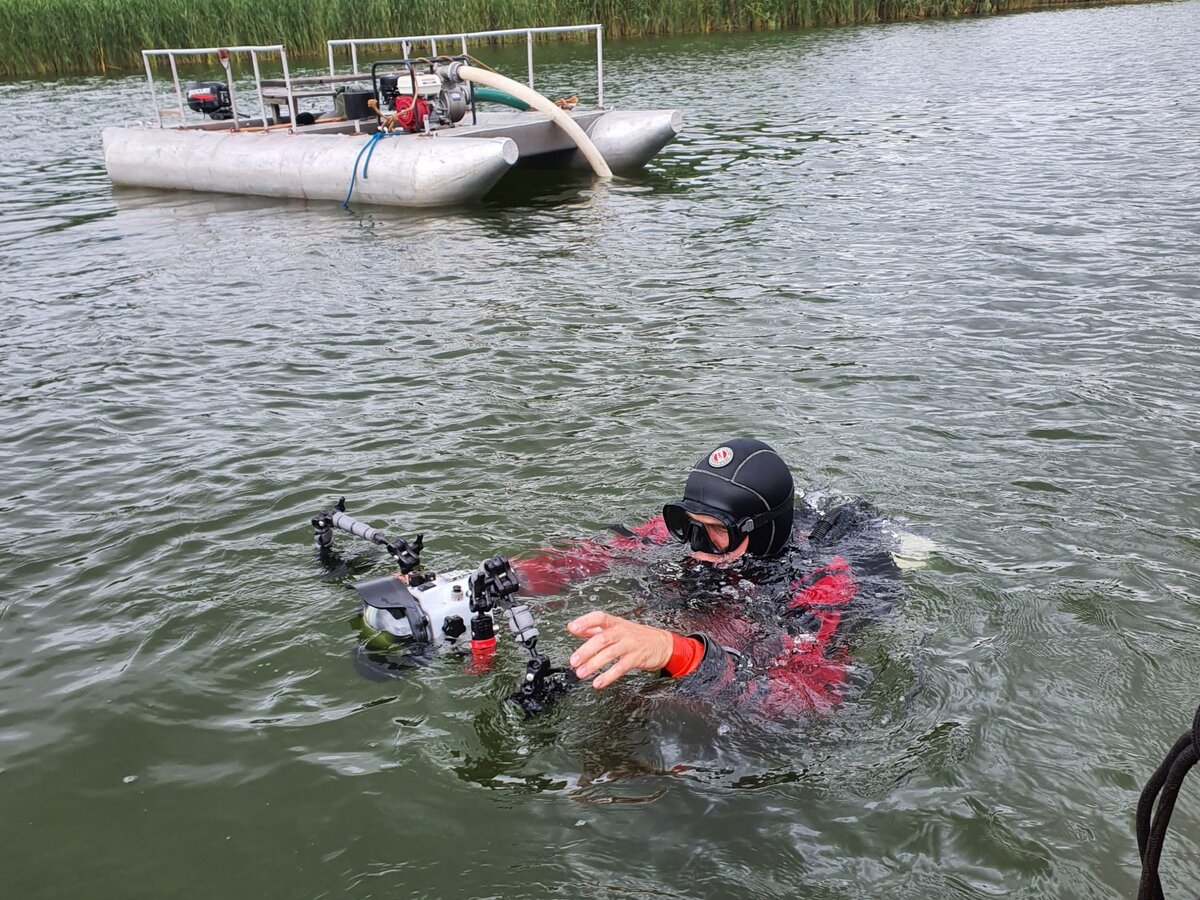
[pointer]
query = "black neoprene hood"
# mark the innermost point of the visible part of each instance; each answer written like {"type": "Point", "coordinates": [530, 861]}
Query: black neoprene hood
{"type": "Point", "coordinates": [746, 483]}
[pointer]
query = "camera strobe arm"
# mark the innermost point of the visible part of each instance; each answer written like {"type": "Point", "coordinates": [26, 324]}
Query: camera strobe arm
{"type": "Point", "coordinates": [406, 554]}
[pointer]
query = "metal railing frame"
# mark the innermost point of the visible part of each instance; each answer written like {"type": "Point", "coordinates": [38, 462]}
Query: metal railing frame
{"type": "Point", "coordinates": [224, 54]}
{"type": "Point", "coordinates": [463, 36]}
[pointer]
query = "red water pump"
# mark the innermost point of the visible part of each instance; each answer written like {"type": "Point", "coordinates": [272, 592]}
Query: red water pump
{"type": "Point", "coordinates": [410, 114]}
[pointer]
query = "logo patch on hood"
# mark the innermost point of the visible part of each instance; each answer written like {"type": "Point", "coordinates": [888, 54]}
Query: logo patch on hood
{"type": "Point", "coordinates": [720, 457]}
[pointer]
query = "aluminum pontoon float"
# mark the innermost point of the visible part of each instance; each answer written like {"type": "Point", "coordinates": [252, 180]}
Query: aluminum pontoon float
{"type": "Point", "coordinates": [407, 131]}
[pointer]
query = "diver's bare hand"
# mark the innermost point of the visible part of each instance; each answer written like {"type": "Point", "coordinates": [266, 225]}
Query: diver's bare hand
{"type": "Point", "coordinates": [626, 645]}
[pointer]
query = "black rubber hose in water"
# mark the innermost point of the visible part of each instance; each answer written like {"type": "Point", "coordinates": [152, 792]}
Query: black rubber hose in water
{"type": "Point", "coordinates": [1152, 823]}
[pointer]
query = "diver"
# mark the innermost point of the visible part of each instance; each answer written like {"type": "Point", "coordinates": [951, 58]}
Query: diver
{"type": "Point", "coordinates": [771, 592]}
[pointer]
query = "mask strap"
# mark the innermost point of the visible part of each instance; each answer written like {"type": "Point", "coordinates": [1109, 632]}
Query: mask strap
{"type": "Point", "coordinates": [748, 524]}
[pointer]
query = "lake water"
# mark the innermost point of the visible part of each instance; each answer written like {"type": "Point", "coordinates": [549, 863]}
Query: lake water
{"type": "Point", "coordinates": [950, 266]}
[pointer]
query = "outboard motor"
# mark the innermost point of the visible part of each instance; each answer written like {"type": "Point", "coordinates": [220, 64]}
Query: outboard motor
{"type": "Point", "coordinates": [210, 98]}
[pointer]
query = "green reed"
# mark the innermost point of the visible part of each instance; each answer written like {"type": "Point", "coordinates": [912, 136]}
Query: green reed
{"type": "Point", "coordinates": [60, 36]}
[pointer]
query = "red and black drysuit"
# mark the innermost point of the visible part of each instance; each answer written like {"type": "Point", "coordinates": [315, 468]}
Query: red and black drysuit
{"type": "Point", "coordinates": [781, 647]}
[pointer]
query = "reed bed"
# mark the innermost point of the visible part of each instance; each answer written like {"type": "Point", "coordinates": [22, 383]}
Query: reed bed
{"type": "Point", "coordinates": [47, 37]}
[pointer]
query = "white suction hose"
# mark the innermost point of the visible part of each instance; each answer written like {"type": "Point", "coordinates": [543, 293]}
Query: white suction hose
{"type": "Point", "coordinates": [541, 104]}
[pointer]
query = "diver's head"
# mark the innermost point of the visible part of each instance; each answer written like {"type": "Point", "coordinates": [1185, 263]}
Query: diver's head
{"type": "Point", "coordinates": [738, 499]}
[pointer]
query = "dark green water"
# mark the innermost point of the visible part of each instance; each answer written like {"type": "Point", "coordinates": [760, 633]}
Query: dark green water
{"type": "Point", "coordinates": [950, 266]}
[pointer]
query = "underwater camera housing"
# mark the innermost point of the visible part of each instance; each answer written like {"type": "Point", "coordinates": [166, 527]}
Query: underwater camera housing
{"type": "Point", "coordinates": [434, 611]}
{"type": "Point", "coordinates": [419, 610]}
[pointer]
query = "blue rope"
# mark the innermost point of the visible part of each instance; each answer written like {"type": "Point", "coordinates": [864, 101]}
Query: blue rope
{"type": "Point", "coordinates": [369, 149]}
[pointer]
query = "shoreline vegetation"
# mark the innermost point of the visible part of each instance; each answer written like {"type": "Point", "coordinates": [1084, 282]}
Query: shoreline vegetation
{"type": "Point", "coordinates": [60, 37]}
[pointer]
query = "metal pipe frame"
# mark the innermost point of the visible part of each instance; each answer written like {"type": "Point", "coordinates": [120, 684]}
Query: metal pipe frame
{"type": "Point", "coordinates": [354, 43]}
{"type": "Point", "coordinates": [253, 49]}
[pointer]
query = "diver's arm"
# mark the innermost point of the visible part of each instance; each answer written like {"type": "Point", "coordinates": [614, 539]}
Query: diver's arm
{"type": "Point", "coordinates": [552, 570]}
{"type": "Point", "coordinates": [787, 673]}
{"type": "Point", "coordinates": [779, 675]}
{"type": "Point", "coordinates": [794, 679]}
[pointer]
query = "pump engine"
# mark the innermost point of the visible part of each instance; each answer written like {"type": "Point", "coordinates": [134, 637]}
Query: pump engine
{"type": "Point", "coordinates": [423, 93]}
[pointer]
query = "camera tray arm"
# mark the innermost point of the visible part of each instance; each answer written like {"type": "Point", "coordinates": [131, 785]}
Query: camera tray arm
{"type": "Point", "coordinates": [407, 554]}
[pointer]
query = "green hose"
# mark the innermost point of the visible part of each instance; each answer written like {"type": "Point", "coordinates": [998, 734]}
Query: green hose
{"type": "Point", "coordinates": [491, 95]}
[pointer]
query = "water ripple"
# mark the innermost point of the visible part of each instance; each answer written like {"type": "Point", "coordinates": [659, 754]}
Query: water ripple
{"type": "Point", "coordinates": [950, 266]}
